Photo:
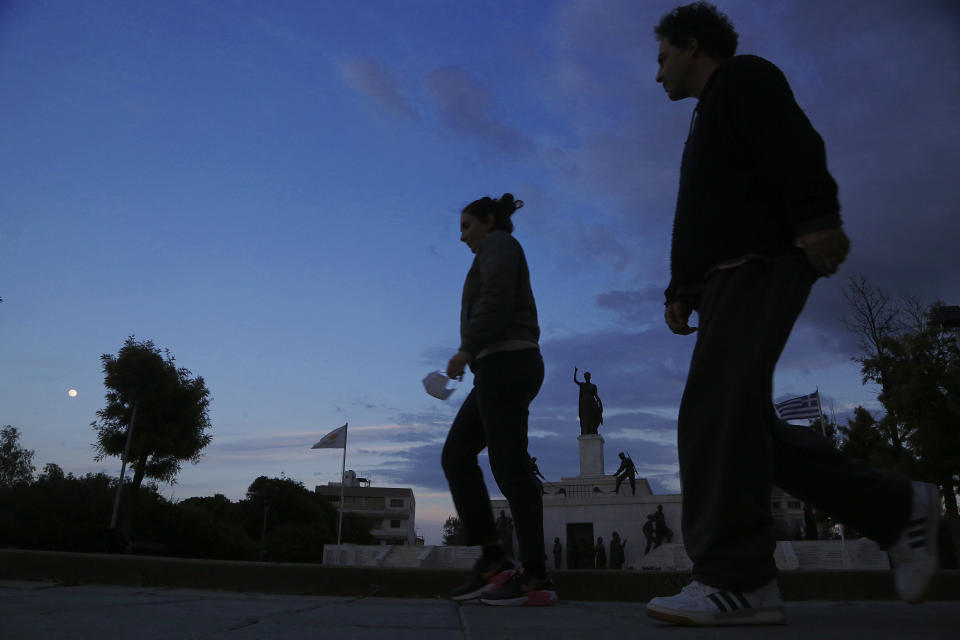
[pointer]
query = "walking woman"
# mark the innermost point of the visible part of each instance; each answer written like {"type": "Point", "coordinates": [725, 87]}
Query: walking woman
{"type": "Point", "coordinates": [498, 340]}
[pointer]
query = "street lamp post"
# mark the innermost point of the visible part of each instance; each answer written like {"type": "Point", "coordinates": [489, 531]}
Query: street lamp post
{"type": "Point", "coordinates": [123, 467]}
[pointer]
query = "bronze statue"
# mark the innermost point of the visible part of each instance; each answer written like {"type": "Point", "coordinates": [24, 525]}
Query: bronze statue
{"type": "Point", "coordinates": [600, 554]}
{"type": "Point", "coordinates": [616, 551]}
{"type": "Point", "coordinates": [626, 470]}
{"type": "Point", "coordinates": [649, 532]}
{"type": "Point", "coordinates": [535, 470]}
{"type": "Point", "coordinates": [664, 533]}
{"type": "Point", "coordinates": [591, 408]}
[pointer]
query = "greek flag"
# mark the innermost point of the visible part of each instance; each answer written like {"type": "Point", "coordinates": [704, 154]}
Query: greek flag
{"type": "Point", "coordinates": [800, 408]}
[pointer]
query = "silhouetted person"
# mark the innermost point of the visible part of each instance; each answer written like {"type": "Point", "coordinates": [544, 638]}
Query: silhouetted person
{"type": "Point", "coordinates": [616, 551]}
{"type": "Point", "coordinates": [557, 553]}
{"type": "Point", "coordinates": [626, 470]}
{"type": "Point", "coordinates": [499, 340]}
{"type": "Point", "coordinates": [649, 532]}
{"type": "Point", "coordinates": [600, 554]}
{"type": "Point", "coordinates": [757, 222]}
{"type": "Point", "coordinates": [663, 532]}
{"type": "Point", "coordinates": [591, 408]}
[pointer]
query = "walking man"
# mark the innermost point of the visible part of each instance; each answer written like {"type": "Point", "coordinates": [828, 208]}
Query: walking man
{"type": "Point", "coordinates": [757, 222]}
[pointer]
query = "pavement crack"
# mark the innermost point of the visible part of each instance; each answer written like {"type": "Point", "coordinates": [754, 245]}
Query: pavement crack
{"type": "Point", "coordinates": [266, 619]}
{"type": "Point", "coordinates": [464, 630]}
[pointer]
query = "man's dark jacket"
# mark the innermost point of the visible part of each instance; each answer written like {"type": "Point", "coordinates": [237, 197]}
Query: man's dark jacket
{"type": "Point", "coordinates": [753, 178]}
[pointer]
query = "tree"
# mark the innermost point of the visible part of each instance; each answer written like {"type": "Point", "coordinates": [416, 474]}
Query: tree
{"type": "Point", "coordinates": [879, 442]}
{"type": "Point", "coordinates": [293, 523]}
{"type": "Point", "coordinates": [916, 363]}
{"type": "Point", "coordinates": [172, 415]}
{"type": "Point", "coordinates": [16, 463]}
{"type": "Point", "coordinates": [51, 473]}
{"type": "Point", "coordinates": [921, 391]}
{"type": "Point", "coordinates": [453, 532]}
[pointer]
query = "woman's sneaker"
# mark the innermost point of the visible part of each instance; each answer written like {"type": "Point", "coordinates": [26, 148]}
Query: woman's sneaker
{"type": "Point", "coordinates": [484, 577]}
{"type": "Point", "coordinates": [522, 589]}
{"type": "Point", "coordinates": [914, 554]}
{"type": "Point", "coordinates": [701, 605]}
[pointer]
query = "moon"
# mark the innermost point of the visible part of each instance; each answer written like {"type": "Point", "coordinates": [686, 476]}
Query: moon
{"type": "Point", "coordinates": [72, 393]}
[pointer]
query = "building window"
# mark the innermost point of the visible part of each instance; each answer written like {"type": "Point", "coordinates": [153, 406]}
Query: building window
{"type": "Point", "coordinates": [364, 503]}
{"type": "Point", "coordinates": [793, 504]}
{"type": "Point", "coordinates": [396, 502]}
{"type": "Point", "coordinates": [394, 524]}
{"type": "Point", "coordinates": [776, 504]}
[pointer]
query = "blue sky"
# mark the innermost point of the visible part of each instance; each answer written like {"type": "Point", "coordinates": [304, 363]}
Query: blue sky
{"type": "Point", "coordinates": [271, 191]}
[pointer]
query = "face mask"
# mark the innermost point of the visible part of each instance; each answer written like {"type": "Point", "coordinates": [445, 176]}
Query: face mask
{"type": "Point", "coordinates": [436, 385]}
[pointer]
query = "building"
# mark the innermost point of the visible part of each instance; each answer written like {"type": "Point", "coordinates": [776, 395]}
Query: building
{"type": "Point", "coordinates": [390, 510]}
{"type": "Point", "coordinates": [788, 515]}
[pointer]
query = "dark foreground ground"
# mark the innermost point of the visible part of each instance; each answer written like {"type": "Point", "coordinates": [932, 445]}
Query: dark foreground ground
{"type": "Point", "coordinates": [44, 611]}
{"type": "Point", "coordinates": [52, 596]}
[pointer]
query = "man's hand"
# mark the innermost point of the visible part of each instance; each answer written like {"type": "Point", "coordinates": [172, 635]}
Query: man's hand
{"type": "Point", "coordinates": [457, 364]}
{"type": "Point", "coordinates": [826, 249]}
{"type": "Point", "coordinates": [677, 315]}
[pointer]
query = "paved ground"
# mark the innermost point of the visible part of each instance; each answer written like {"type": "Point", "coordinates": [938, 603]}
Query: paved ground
{"type": "Point", "coordinates": [44, 611]}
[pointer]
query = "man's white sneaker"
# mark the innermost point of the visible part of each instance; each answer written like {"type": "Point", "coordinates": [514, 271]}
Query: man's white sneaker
{"type": "Point", "coordinates": [914, 555]}
{"type": "Point", "coordinates": [701, 605]}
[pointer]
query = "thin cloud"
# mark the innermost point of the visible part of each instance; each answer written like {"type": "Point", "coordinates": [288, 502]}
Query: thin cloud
{"type": "Point", "coordinates": [467, 108]}
{"type": "Point", "coordinates": [372, 80]}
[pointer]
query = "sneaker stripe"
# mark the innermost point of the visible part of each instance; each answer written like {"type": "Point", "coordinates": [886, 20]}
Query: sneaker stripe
{"type": "Point", "coordinates": [729, 600]}
{"type": "Point", "coordinates": [743, 600]}
{"type": "Point", "coordinates": [715, 599]}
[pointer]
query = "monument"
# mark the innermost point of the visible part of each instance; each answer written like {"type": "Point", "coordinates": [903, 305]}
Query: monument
{"type": "Point", "coordinates": [581, 513]}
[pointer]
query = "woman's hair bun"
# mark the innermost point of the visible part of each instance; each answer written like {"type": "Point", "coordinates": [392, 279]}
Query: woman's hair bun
{"type": "Point", "coordinates": [508, 203]}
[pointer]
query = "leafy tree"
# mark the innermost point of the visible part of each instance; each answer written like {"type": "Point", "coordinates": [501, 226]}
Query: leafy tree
{"type": "Point", "coordinates": [879, 442]}
{"type": "Point", "coordinates": [453, 532]}
{"type": "Point", "coordinates": [916, 363]}
{"type": "Point", "coordinates": [51, 472]}
{"type": "Point", "coordinates": [57, 512]}
{"type": "Point", "coordinates": [171, 412]}
{"type": "Point", "coordinates": [16, 463]}
{"type": "Point", "coordinates": [293, 523]}
{"type": "Point", "coordinates": [920, 369]}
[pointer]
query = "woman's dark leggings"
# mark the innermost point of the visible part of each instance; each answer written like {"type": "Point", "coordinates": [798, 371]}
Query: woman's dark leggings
{"type": "Point", "coordinates": [494, 416]}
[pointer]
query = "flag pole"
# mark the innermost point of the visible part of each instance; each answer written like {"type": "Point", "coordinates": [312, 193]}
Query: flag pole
{"type": "Point", "coordinates": [823, 428]}
{"type": "Point", "coordinates": [845, 563]}
{"type": "Point", "coordinates": [343, 471]}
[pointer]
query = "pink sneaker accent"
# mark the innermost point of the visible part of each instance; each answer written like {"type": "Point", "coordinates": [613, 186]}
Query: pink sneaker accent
{"type": "Point", "coordinates": [540, 598]}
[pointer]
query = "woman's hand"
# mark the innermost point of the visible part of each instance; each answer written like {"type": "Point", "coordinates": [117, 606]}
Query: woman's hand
{"type": "Point", "coordinates": [457, 364]}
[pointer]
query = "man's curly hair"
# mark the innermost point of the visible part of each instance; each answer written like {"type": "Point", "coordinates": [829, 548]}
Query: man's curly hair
{"type": "Point", "coordinates": [712, 29]}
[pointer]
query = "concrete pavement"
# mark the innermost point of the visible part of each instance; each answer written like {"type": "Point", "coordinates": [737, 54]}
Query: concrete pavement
{"type": "Point", "coordinates": [324, 580]}
{"type": "Point", "coordinates": [33, 610]}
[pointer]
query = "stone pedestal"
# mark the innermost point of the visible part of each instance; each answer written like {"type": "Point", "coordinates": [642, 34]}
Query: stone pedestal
{"type": "Point", "coordinates": [591, 454]}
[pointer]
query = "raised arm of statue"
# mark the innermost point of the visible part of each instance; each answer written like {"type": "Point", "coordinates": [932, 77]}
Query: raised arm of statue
{"type": "Point", "coordinates": [575, 377]}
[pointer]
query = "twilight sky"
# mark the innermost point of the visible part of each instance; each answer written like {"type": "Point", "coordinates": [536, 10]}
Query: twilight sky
{"type": "Point", "coordinates": [272, 191]}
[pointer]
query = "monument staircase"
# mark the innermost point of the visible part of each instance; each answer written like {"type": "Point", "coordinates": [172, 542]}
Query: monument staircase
{"type": "Point", "coordinates": [407, 555]}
